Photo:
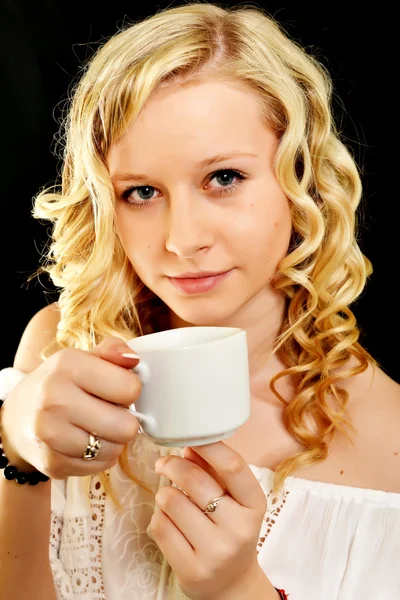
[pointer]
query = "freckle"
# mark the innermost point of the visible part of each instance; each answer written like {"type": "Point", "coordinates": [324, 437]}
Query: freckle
{"type": "Point", "coordinates": [276, 224]}
{"type": "Point", "coordinates": [341, 472]}
{"type": "Point", "coordinates": [396, 453]}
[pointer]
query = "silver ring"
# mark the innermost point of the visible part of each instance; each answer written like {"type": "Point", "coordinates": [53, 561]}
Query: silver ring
{"type": "Point", "coordinates": [212, 505]}
{"type": "Point", "coordinates": [93, 447]}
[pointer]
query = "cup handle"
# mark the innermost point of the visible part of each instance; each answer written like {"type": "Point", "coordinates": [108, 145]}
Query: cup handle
{"type": "Point", "coordinates": [143, 371]}
{"type": "Point", "coordinates": [148, 419]}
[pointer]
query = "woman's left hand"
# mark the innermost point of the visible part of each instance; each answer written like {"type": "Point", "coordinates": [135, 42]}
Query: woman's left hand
{"type": "Point", "coordinates": [213, 555]}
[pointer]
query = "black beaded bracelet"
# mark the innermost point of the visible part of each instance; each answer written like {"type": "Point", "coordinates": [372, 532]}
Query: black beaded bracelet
{"type": "Point", "coordinates": [10, 472]}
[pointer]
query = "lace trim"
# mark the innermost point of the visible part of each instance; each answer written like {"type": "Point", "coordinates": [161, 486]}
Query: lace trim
{"type": "Point", "coordinates": [275, 504]}
{"type": "Point", "coordinates": [76, 550]}
{"type": "Point", "coordinates": [97, 495]}
{"type": "Point", "coordinates": [61, 580]}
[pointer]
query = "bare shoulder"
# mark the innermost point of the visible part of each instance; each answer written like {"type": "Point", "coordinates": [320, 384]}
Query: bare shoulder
{"type": "Point", "coordinates": [38, 335]}
{"type": "Point", "coordinates": [370, 459]}
{"type": "Point", "coordinates": [374, 410]}
{"type": "Point", "coordinates": [376, 391]}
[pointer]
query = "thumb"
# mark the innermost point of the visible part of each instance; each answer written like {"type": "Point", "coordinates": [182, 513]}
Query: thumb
{"type": "Point", "coordinates": [113, 350]}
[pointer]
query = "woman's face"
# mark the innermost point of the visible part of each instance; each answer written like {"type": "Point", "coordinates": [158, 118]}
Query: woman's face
{"type": "Point", "coordinates": [199, 211]}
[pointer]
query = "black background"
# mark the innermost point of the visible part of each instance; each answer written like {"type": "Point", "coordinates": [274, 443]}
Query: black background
{"type": "Point", "coordinates": [43, 44]}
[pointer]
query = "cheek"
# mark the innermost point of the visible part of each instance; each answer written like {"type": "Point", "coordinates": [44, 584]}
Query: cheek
{"type": "Point", "coordinates": [282, 228]}
{"type": "Point", "coordinates": [266, 230]}
{"type": "Point", "coordinates": [137, 242]}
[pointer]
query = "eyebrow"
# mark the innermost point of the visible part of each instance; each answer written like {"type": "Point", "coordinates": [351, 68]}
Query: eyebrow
{"type": "Point", "coordinates": [212, 160]}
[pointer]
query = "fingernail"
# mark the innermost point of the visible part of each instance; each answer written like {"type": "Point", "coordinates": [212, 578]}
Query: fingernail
{"type": "Point", "coordinates": [130, 355]}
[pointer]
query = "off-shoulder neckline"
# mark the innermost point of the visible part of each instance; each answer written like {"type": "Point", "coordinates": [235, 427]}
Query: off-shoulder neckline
{"type": "Point", "coordinates": [345, 492]}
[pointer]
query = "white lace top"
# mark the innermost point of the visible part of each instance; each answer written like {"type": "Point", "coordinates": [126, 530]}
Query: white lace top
{"type": "Point", "coordinates": [318, 541]}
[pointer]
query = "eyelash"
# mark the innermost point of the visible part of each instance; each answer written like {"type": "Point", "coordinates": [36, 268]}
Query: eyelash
{"type": "Point", "coordinates": [221, 191]}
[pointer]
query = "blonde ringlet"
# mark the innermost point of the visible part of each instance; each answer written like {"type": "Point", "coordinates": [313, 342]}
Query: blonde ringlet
{"type": "Point", "coordinates": [324, 270]}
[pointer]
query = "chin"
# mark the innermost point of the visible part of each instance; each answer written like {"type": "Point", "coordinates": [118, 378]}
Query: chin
{"type": "Point", "coordinates": [206, 314]}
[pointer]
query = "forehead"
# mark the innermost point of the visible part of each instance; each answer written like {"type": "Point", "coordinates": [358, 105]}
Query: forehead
{"type": "Point", "coordinates": [200, 98]}
{"type": "Point", "coordinates": [191, 120]}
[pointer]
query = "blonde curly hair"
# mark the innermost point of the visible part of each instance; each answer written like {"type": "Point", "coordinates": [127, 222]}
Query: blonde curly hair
{"type": "Point", "coordinates": [324, 270]}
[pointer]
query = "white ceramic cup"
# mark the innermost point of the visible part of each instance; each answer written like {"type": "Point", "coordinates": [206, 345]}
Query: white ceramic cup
{"type": "Point", "coordinates": [196, 387]}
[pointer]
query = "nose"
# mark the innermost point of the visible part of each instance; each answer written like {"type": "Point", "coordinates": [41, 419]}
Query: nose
{"type": "Point", "coordinates": [189, 231]}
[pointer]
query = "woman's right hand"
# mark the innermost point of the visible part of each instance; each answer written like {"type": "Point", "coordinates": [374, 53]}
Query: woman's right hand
{"type": "Point", "coordinates": [46, 419]}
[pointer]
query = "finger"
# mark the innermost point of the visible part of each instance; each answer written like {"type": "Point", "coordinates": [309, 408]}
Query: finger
{"type": "Point", "coordinates": [199, 486]}
{"type": "Point", "coordinates": [76, 407]}
{"type": "Point", "coordinates": [73, 442]}
{"type": "Point", "coordinates": [93, 374]}
{"type": "Point", "coordinates": [194, 525]}
{"type": "Point", "coordinates": [113, 349]}
{"type": "Point", "coordinates": [234, 472]}
{"type": "Point", "coordinates": [54, 465]}
{"type": "Point", "coordinates": [108, 421]}
{"type": "Point", "coordinates": [191, 455]}
{"type": "Point", "coordinates": [109, 381]}
{"type": "Point", "coordinates": [173, 545]}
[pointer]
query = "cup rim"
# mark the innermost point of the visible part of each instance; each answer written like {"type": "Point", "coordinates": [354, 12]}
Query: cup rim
{"type": "Point", "coordinates": [230, 332]}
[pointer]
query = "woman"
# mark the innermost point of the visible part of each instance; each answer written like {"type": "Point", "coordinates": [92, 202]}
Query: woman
{"type": "Point", "coordinates": [203, 184]}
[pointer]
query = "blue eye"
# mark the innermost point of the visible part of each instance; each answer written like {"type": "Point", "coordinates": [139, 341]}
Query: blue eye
{"type": "Point", "coordinates": [145, 191]}
{"type": "Point", "coordinates": [231, 175]}
{"type": "Point", "coordinates": [127, 194]}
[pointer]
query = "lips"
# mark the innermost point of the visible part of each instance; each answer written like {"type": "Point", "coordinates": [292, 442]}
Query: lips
{"type": "Point", "coordinates": [200, 282]}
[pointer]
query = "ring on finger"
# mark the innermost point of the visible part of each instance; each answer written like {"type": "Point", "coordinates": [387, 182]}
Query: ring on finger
{"type": "Point", "coordinates": [93, 448]}
{"type": "Point", "coordinates": [212, 505]}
